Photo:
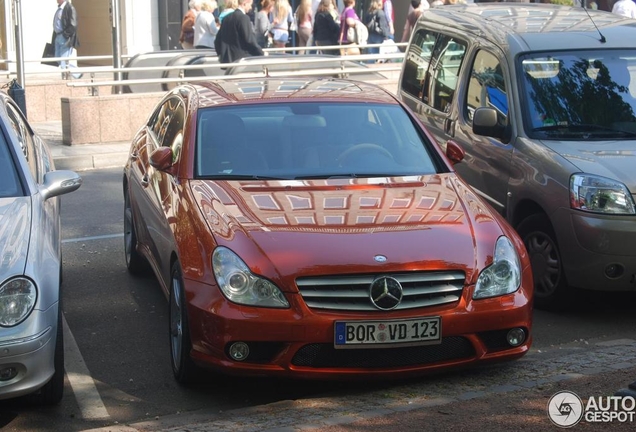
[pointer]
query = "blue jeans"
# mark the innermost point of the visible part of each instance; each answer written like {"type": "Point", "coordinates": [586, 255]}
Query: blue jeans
{"type": "Point", "coordinates": [374, 39]}
{"type": "Point", "coordinates": [62, 50]}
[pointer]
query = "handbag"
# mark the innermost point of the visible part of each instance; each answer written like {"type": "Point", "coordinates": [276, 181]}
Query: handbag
{"type": "Point", "coordinates": [49, 51]}
{"type": "Point", "coordinates": [351, 35]}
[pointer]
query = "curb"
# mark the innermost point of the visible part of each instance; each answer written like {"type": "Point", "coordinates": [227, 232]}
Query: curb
{"type": "Point", "coordinates": [89, 162]}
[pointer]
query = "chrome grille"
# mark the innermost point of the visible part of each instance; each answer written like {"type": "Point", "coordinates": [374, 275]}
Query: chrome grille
{"type": "Point", "coordinates": [351, 293]}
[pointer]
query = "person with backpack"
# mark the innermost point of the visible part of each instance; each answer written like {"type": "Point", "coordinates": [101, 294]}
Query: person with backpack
{"type": "Point", "coordinates": [378, 27]}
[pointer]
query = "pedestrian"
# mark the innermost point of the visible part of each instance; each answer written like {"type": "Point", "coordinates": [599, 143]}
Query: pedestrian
{"type": "Point", "coordinates": [64, 37]}
{"type": "Point", "coordinates": [236, 38]}
{"type": "Point", "coordinates": [348, 18]}
{"type": "Point", "coordinates": [304, 21]}
{"type": "Point", "coordinates": [378, 26]}
{"type": "Point", "coordinates": [262, 25]}
{"type": "Point", "coordinates": [626, 8]}
{"type": "Point", "coordinates": [229, 7]}
{"type": "Point", "coordinates": [205, 28]}
{"type": "Point", "coordinates": [186, 38]}
{"type": "Point", "coordinates": [326, 30]}
{"type": "Point", "coordinates": [282, 19]}
{"type": "Point", "coordinates": [387, 7]}
{"type": "Point", "coordinates": [417, 7]}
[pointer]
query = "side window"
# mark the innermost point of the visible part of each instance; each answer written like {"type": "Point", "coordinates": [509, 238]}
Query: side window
{"type": "Point", "coordinates": [417, 61]}
{"type": "Point", "coordinates": [443, 74]}
{"type": "Point", "coordinates": [25, 139]}
{"type": "Point", "coordinates": [487, 87]}
{"type": "Point", "coordinates": [167, 123]}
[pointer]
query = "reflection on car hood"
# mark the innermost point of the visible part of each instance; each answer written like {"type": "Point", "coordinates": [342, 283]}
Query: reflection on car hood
{"type": "Point", "coordinates": [611, 159]}
{"type": "Point", "coordinates": [15, 228]}
{"type": "Point", "coordinates": [303, 227]}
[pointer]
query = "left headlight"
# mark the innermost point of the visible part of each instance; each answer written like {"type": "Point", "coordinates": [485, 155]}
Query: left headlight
{"type": "Point", "coordinates": [600, 195]}
{"type": "Point", "coordinates": [503, 276]}
{"type": "Point", "coordinates": [17, 300]}
{"type": "Point", "coordinates": [242, 286]}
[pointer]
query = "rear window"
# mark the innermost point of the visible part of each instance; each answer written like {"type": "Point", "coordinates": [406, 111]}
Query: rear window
{"type": "Point", "coordinates": [9, 180]}
{"type": "Point", "coordinates": [311, 140]}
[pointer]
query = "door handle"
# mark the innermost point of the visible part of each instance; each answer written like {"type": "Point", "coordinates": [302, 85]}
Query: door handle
{"type": "Point", "coordinates": [134, 156]}
{"type": "Point", "coordinates": [144, 180]}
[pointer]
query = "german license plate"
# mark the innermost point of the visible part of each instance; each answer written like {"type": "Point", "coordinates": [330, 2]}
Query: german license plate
{"type": "Point", "coordinates": [370, 334]}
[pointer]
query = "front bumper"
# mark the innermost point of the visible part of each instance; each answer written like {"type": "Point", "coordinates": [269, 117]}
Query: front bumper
{"type": "Point", "coordinates": [31, 353]}
{"type": "Point", "coordinates": [591, 245]}
{"type": "Point", "coordinates": [299, 342]}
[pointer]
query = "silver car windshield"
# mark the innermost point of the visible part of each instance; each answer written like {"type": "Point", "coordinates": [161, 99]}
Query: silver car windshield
{"type": "Point", "coordinates": [311, 140]}
{"type": "Point", "coordinates": [580, 95]}
{"type": "Point", "coordinates": [9, 181]}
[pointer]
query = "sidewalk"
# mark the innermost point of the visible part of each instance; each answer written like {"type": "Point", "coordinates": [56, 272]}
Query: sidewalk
{"type": "Point", "coordinates": [504, 397]}
{"type": "Point", "coordinates": [83, 156]}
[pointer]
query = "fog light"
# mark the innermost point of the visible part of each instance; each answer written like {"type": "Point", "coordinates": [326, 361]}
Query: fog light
{"type": "Point", "coordinates": [516, 337]}
{"type": "Point", "coordinates": [8, 373]}
{"type": "Point", "coordinates": [239, 351]}
{"type": "Point", "coordinates": [614, 271]}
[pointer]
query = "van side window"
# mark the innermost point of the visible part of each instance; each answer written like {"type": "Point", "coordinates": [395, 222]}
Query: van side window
{"type": "Point", "coordinates": [443, 73]}
{"type": "Point", "coordinates": [487, 87]}
{"type": "Point", "coordinates": [417, 61]}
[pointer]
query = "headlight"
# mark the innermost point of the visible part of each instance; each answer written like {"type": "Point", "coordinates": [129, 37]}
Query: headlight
{"type": "Point", "coordinates": [503, 276]}
{"type": "Point", "coordinates": [17, 300]}
{"type": "Point", "coordinates": [240, 285]}
{"type": "Point", "coordinates": [600, 195]}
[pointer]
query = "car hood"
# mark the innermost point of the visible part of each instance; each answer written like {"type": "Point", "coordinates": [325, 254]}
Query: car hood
{"type": "Point", "coordinates": [611, 159]}
{"type": "Point", "coordinates": [15, 229]}
{"type": "Point", "coordinates": [285, 228]}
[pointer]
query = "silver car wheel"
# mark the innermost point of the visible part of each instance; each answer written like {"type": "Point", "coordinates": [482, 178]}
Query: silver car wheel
{"type": "Point", "coordinates": [176, 322]}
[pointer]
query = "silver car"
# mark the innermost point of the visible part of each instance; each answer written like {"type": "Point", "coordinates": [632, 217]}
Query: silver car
{"type": "Point", "coordinates": [31, 346]}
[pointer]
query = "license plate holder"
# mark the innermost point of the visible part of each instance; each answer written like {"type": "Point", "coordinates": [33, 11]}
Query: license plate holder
{"type": "Point", "coordinates": [385, 333]}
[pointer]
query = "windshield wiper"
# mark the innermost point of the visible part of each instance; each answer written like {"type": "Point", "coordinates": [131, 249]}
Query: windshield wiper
{"type": "Point", "coordinates": [240, 177]}
{"type": "Point", "coordinates": [583, 128]}
{"type": "Point", "coordinates": [345, 176]}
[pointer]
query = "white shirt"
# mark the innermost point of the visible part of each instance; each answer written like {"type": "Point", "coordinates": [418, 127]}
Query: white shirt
{"type": "Point", "coordinates": [626, 8]}
{"type": "Point", "coordinates": [57, 19]}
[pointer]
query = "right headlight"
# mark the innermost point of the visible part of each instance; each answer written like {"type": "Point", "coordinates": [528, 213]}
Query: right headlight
{"type": "Point", "coordinates": [242, 286]}
{"type": "Point", "coordinates": [17, 300]}
{"type": "Point", "coordinates": [503, 276]}
{"type": "Point", "coordinates": [597, 194]}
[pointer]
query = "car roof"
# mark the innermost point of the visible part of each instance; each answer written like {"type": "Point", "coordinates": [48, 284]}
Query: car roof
{"type": "Point", "coordinates": [533, 26]}
{"type": "Point", "coordinates": [259, 90]}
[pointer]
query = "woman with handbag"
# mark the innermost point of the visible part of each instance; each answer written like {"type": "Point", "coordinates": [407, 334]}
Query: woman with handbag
{"type": "Point", "coordinates": [378, 26]}
{"type": "Point", "coordinates": [282, 23]}
{"type": "Point", "coordinates": [186, 38]}
{"type": "Point", "coordinates": [205, 28]}
{"type": "Point", "coordinates": [262, 25]}
{"type": "Point", "coordinates": [348, 20]}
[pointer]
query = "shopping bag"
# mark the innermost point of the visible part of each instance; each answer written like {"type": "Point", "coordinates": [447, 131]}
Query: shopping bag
{"type": "Point", "coordinates": [49, 51]}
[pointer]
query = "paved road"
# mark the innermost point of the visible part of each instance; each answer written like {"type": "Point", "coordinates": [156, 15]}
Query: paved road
{"type": "Point", "coordinates": [118, 369]}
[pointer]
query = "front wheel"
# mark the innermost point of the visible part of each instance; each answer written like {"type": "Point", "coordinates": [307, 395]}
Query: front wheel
{"type": "Point", "coordinates": [551, 290]}
{"type": "Point", "coordinates": [183, 367]}
{"type": "Point", "coordinates": [135, 262]}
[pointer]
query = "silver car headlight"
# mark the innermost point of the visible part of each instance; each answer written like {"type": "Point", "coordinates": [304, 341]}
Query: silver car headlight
{"type": "Point", "coordinates": [17, 300]}
{"type": "Point", "coordinates": [242, 286]}
{"type": "Point", "coordinates": [503, 276]}
{"type": "Point", "coordinates": [597, 194]}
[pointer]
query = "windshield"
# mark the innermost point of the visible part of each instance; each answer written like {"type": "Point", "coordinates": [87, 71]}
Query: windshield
{"type": "Point", "coordinates": [580, 95]}
{"type": "Point", "coordinates": [310, 140]}
{"type": "Point", "coordinates": [9, 182]}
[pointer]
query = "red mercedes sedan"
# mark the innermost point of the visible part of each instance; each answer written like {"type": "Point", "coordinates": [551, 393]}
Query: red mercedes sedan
{"type": "Point", "coordinates": [312, 228]}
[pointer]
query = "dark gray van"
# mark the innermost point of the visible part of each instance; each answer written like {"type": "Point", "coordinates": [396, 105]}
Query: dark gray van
{"type": "Point", "coordinates": [542, 100]}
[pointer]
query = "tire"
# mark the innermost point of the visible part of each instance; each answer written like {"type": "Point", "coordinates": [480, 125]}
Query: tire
{"type": "Point", "coordinates": [135, 262]}
{"type": "Point", "coordinates": [52, 392]}
{"type": "Point", "coordinates": [183, 367]}
{"type": "Point", "coordinates": [551, 290]}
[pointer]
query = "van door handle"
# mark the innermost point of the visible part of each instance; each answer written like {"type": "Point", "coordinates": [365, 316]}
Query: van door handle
{"type": "Point", "coordinates": [449, 127]}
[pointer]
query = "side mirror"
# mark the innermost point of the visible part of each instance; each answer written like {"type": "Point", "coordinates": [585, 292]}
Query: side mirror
{"type": "Point", "coordinates": [59, 183]}
{"type": "Point", "coordinates": [161, 159]}
{"type": "Point", "coordinates": [454, 152]}
{"type": "Point", "coordinates": [486, 123]}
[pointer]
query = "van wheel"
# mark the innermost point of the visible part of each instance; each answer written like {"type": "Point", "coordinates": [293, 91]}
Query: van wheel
{"type": "Point", "coordinates": [551, 290]}
{"type": "Point", "coordinates": [52, 392]}
{"type": "Point", "coordinates": [183, 367]}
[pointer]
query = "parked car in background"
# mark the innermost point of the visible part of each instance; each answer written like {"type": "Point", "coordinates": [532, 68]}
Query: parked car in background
{"type": "Point", "coordinates": [312, 228]}
{"type": "Point", "coordinates": [31, 341]}
{"type": "Point", "coordinates": [541, 100]}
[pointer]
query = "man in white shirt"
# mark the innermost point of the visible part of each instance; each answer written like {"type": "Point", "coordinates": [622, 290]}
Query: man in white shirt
{"type": "Point", "coordinates": [626, 8]}
{"type": "Point", "coordinates": [64, 37]}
